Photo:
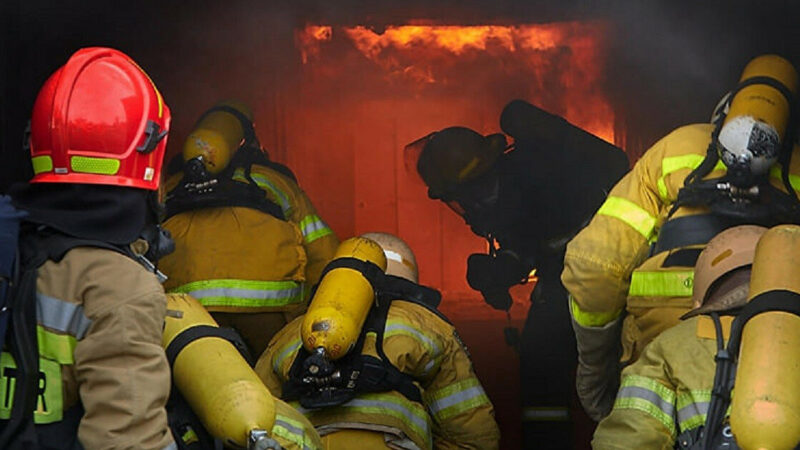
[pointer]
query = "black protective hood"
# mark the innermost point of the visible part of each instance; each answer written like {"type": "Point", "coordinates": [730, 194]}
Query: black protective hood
{"type": "Point", "coordinates": [112, 214]}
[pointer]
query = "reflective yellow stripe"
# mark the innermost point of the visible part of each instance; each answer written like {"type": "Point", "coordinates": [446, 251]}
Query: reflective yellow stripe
{"type": "Point", "coordinates": [264, 183]}
{"type": "Point", "coordinates": [313, 228]}
{"type": "Point", "coordinates": [293, 431]}
{"type": "Point", "coordinates": [794, 180]}
{"type": "Point", "coordinates": [692, 408]}
{"type": "Point", "coordinates": [289, 349]}
{"type": "Point", "coordinates": [42, 164]}
{"type": "Point", "coordinates": [662, 283]}
{"type": "Point", "coordinates": [649, 396]}
{"type": "Point", "coordinates": [630, 213]}
{"type": "Point", "coordinates": [100, 166]}
{"type": "Point", "coordinates": [49, 403]}
{"type": "Point", "coordinates": [591, 319]}
{"type": "Point", "coordinates": [58, 347]}
{"type": "Point", "coordinates": [412, 414]}
{"type": "Point", "coordinates": [674, 163]}
{"type": "Point", "coordinates": [244, 293]}
{"type": "Point", "coordinates": [456, 399]}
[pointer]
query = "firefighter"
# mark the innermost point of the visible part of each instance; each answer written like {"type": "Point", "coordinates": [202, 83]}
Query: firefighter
{"type": "Point", "coordinates": [83, 365]}
{"type": "Point", "coordinates": [417, 388]}
{"type": "Point", "coordinates": [527, 202]}
{"type": "Point", "coordinates": [676, 396]}
{"type": "Point", "coordinates": [249, 243]}
{"type": "Point", "coordinates": [637, 254]}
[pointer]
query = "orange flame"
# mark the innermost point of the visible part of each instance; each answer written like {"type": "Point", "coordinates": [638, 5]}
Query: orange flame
{"type": "Point", "coordinates": [310, 38]}
{"type": "Point", "coordinates": [569, 52]}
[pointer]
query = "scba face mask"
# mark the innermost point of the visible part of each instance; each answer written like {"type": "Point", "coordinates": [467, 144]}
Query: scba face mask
{"type": "Point", "coordinates": [754, 131]}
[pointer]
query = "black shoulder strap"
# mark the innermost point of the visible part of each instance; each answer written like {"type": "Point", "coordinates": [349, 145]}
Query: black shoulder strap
{"type": "Point", "coordinates": [379, 374]}
{"type": "Point", "coordinates": [194, 333]}
{"type": "Point", "coordinates": [397, 288]}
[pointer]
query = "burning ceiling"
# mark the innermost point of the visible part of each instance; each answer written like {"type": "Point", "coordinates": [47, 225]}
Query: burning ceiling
{"type": "Point", "coordinates": [558, 66]}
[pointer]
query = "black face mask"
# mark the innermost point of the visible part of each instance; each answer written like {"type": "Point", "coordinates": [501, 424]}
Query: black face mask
{"type": "Point", "coordinates": [476, 201]}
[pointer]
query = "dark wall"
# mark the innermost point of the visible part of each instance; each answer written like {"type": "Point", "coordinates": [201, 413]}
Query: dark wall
{"type": "Point", "coordinates": [670, 63]}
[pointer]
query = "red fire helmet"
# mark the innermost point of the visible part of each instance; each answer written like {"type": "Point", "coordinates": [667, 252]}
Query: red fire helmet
{"type": "Point", "coordinates": [99, 119]}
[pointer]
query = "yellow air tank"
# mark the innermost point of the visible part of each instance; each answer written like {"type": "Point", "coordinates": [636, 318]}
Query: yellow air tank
{"type": "Point", "coordinates": [765, 411]}
{"type": "Point", "coordinates": [217, 136]}
{"type": "Point", "coordinates": [755, 126]}
{"type": "Point", "coordinates": [342, 301]}
{"type": "Point", "coordinates": [222, 389]}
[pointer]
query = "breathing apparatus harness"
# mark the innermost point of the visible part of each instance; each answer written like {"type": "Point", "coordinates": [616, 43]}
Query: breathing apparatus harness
{"type": "Point", "coordinates": [737, 194]}
{"type": "Point", "coordinates": [38, 244]}
{"type": "Point", "coordinates": [715, 433]}
{"type": "Point", "coordinates": [318, 382]}
{"type": "Point", "coordinates": [199, 189]}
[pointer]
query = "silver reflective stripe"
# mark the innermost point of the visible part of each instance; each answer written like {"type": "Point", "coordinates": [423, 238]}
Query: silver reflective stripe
{"type": "Point", "coordinates": [172, 446]}
{"type": "Point", "coordinates": [255, 294]}
{"type": "Point", "coordinates": [293, 433]}
{"type": "Point", "coordinates": [312, 224]}
{"type": "Point", "coordinates": [61, 316]}
{"type": "Point", "coordinates": [456, 398]}
{"type": "Point", "coordinates": [290, 349]}
{"type": "Point", "coordinates": [646, 394]}
{"type": "Point", "coordinates": [420, 422]}
{"type": "Point", "coordinates": [416, 333]}
{"type": "Point", "coordinates": [689, 415]}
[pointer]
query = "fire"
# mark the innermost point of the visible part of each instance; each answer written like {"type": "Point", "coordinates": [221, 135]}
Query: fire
{"type": "Point", "coordinates": [558, 66]}
{"type": "Point", "coordinates": [310, 38]}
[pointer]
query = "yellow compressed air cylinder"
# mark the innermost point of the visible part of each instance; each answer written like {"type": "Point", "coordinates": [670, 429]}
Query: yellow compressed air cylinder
{"type": "Point", "coordinates": [217, 136]}
{"type": "Point", "coordinates": [765, 411]}
{"type": "Point", "coordinates": [759, 113]}
{"type": "Point", "coordinates": [219, 385]}
{"type": "Point", "coordinates": [342, 301]}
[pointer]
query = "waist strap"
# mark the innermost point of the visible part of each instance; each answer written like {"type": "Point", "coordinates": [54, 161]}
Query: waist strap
{"type": "Point", "coordinates": [690, 230]}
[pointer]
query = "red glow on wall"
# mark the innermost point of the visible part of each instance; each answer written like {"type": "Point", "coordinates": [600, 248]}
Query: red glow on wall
{"type": "Point", "coordinates": [363, 94]}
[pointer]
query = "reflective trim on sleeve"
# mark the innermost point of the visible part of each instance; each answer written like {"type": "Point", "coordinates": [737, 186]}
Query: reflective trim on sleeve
{"type": "Point", "coordinates": [591, 319]}
{"type": "Point", "coordinates": [674, 163]}
{"type": "Point", "coordinates": [775, 172]}
{"type": "Point", "coordinates": [410, 413]}
{"type": "Point", "coordinates": [60, 325]}
{"type": "Point", "coordinates": [649, 396]}
{"type": "Point", "coordinates": [692, 408]}
{"type": "Point", "coordinates": [456, 399]}
{"type": "Point", "coordinates": [545, 414]}
{"type": "Point", "coordinates": [630, 213]}
{"type": "Point", "coordinates": [313, 228]}
{"type": "Point", "coordinates": [264, 183]}
{"type": "Point", "coordinates": [292, 431]}
{"type": "Point", "coordinates": [288, 350]}
{"type": "Point", "coordinates": [244, 293]}
{"type": "Point", "coordinates": [396, 327]}
{"type": "Point", "coordinates": [61, 316]}
{"type": "Point", "coordinates": [675, 283]}
{"type": "Point", "coordinates": [173, 445]}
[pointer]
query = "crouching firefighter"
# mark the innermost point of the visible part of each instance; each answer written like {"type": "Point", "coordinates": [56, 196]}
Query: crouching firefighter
{"type": "Point", "coordinates": [742, 334]}
{"type": "Point", "coordinates": [231, 405]}
{"type": "Point", "coordinates": [82, 364]}
{"type": "Point", "coordinates": [629, 272]}
{"type": "Point", "coordinates": [248, 241]}
{"type": "Point", "coordinates": [373, 364]}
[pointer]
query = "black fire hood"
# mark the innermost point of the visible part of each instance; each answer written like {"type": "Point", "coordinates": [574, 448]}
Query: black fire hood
{"type": "Point", "coordinates": [112, 214]}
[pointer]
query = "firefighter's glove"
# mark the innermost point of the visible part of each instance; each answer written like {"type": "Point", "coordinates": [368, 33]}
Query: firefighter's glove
{"type": "Point", "coordinates": [493, 276]}
{"type": "Point", "coordinates": [598, 372]}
